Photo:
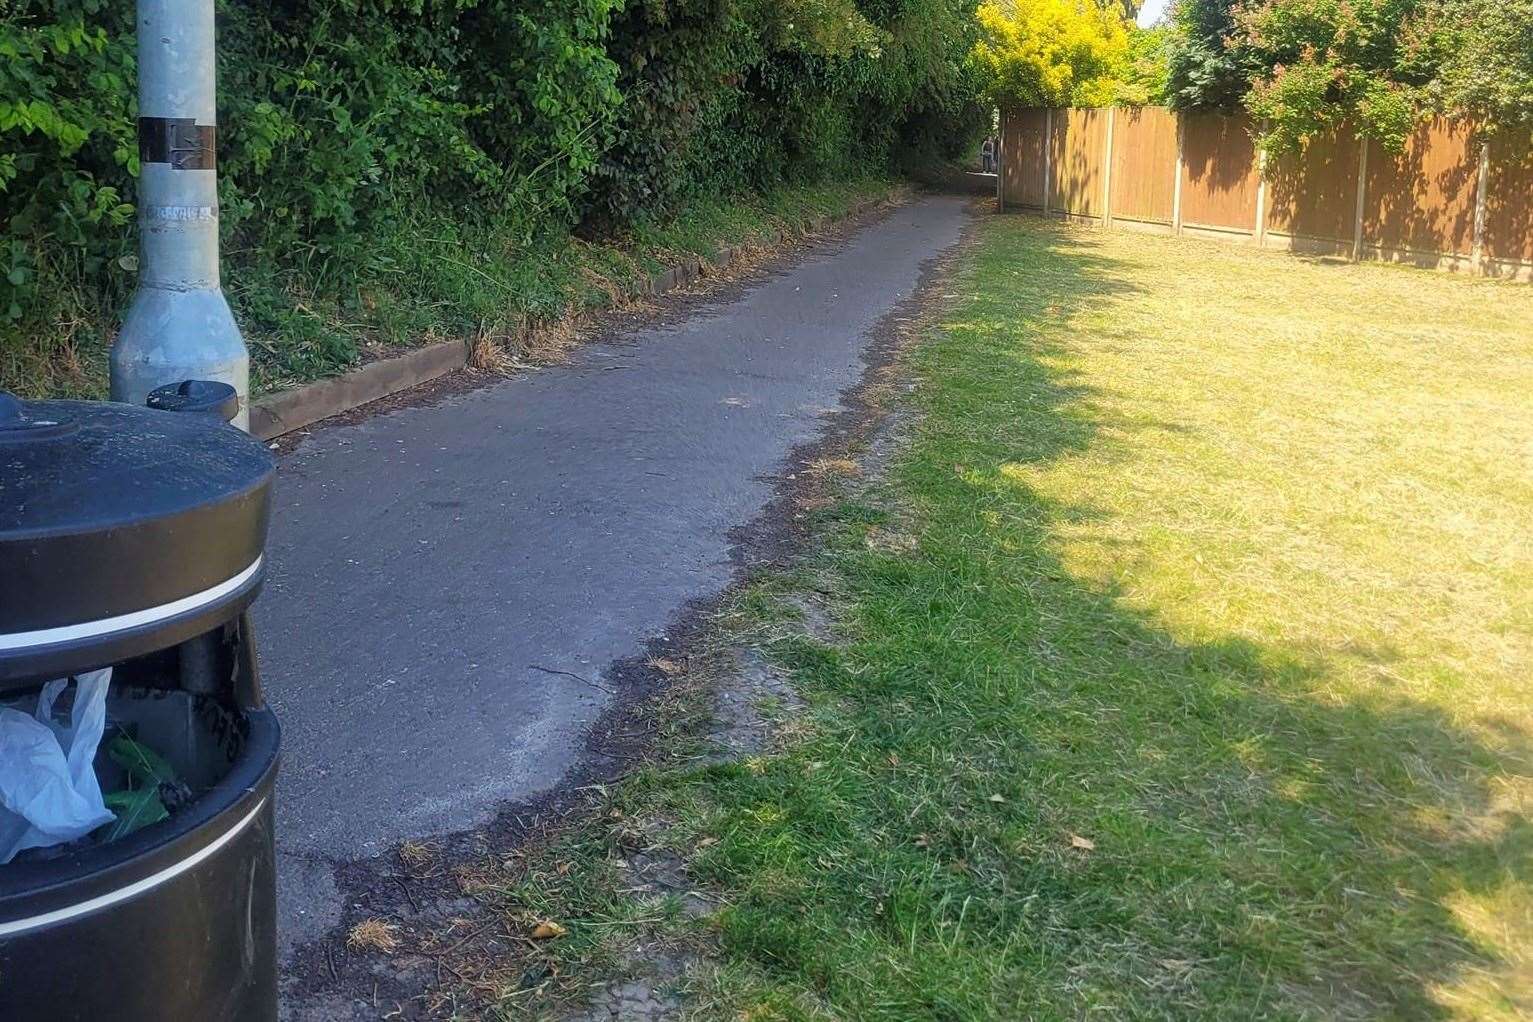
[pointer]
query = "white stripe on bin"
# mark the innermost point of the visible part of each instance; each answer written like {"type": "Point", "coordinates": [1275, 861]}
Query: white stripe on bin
{"type": "Point", "coordinates": [170, 872]}
{"type": "Point", "coordinates": [138, 618]}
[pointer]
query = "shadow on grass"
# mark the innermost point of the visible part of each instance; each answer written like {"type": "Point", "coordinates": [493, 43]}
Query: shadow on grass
{"type": "Point", "coordinates": [1039, 802]}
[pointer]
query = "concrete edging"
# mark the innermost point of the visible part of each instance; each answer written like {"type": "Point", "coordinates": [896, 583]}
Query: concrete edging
{"type": "Point", "coordinates": [274, 415]}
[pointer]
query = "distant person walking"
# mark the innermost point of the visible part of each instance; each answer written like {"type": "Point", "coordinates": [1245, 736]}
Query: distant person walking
{"type": "Point", "coordinates": [987, 155]}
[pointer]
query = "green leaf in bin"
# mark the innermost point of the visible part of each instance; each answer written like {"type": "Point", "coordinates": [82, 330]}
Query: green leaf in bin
{"type": "Point", "coordinates": [144, 766]}
{"type": "Point", "coordinates": [135, 810]}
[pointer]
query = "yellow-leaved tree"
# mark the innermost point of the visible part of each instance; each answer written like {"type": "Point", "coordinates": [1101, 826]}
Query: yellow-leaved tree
{"type": "Point", "coordinates": [1051, 52]}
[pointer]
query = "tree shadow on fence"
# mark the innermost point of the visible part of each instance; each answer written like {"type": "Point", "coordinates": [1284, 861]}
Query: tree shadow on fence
{"type": "Point", "coordinates": [1423, 198]}
{"type": "Point", "coordinates": [1509, 199]}
{"type": "Point", "coordinates": [1313, 194]}
{"type": "Point", "coordinates": [1219, 158]}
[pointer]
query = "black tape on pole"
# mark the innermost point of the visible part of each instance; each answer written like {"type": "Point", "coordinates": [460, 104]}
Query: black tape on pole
{"type": "Point", "coordinates": [178, 141]}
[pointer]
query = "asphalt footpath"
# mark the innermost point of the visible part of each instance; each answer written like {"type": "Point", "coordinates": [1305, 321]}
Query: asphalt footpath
{"type": "Point", "coordinates": [452, 585]}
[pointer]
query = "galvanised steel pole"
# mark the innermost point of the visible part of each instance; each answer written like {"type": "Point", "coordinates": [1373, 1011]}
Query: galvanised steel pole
{"type": "Point", "coordinates": [179, 326]}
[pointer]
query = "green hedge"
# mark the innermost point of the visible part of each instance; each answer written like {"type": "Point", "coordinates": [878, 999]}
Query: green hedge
{"type": "Point", "coordinates": [362, 142]}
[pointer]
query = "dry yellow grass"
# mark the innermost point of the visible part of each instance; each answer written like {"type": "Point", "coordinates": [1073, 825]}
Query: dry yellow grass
{"type": "Point", "coordinates": [373, 935]}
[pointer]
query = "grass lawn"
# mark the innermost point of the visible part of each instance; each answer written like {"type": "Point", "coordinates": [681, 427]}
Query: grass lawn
{"type": "Point", "coordinates": [1184, 671]}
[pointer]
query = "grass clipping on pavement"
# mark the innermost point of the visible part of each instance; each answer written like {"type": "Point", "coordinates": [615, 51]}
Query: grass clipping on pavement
{"type": "Point", "coordinates": [1182, 670]}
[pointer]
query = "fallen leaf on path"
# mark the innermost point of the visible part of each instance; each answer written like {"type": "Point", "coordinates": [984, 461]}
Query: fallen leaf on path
{"type": "Point", "coordinates": [547, 930]}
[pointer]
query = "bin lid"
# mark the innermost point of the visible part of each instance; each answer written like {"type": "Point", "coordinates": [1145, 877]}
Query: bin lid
{"type": "Point", "coordinates": [122, 530]}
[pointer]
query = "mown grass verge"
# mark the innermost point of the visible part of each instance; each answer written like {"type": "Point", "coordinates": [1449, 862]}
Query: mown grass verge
{"type": "Point", "coordinates": [1180, 671]}
{"type": "Point", "coordinates": [432, 280]}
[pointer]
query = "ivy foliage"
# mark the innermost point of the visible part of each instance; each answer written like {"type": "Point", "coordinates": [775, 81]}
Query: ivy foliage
{"type": "Point", "coordinates": [70, 150]}
{"type": "Point", "coordinates": [357, 135]}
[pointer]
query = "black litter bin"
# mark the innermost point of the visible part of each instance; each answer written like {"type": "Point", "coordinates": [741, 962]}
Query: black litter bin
{"type": "Point", "coordinates": [133, 538]}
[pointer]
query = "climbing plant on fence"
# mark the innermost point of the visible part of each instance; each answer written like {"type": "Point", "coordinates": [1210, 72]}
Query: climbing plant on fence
{"type": "Point", "coordinates": [361, 140]}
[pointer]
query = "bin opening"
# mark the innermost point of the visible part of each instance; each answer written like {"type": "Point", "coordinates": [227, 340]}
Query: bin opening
{"type": "Point", "coordinates": [160, 751]}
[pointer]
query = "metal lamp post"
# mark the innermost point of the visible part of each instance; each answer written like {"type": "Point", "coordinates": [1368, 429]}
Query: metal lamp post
{"type": "Point", "coordinates": [178, 326]}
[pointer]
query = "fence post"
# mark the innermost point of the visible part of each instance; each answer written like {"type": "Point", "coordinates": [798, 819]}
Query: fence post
{"type": "Point", "coordinates": [1000, 166]}
{"type": "Point", "coordinates": [1477, 256]}
{"type": "Point", "coordinates": [1261, 196]}
{"type": "Point", "coordinates": [1107, 172]}
{"type": "Point", "coordinates": [1362, 195]}
{"type": "Point", "coordinates": [1176, 186]}
{"type": "Point", "coordinates": [1048, 149]}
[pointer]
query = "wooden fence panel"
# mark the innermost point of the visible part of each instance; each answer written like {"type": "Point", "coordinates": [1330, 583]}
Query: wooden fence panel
{"type": "Point", "coordinates": [1022, 157]}
{"type": "Point", "coordinates": [1079, 145]}
{"type": "Point", "coordinates": [1509, 206]}
{"type": "Point", "coordinates": [1421, 201]}
{"type": "Point", "coordinates": [1220, 176]}
{"type": "Point", "coordinates": [1144, 164]}
{"type": "Point", "coordinates": [1313, 195]}
{"type": "Point", "coordinates": [1430, 204]}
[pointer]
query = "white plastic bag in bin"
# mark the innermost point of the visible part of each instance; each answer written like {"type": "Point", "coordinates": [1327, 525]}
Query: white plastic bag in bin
{"type": "Point", "coordinates": [48, 789]}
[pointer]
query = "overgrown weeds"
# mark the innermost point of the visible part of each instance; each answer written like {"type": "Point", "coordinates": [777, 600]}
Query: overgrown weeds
{"type": "Point", "coordinates": [437, 279]}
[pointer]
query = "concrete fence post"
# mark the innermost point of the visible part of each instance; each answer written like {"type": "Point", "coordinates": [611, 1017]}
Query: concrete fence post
{"type": "Point", "coordinates": [1176, 186]}
{"type": "Point", "coordinates": [1107, 171]}
{"type": "Point", "coordinates": [1362, 198]}
{"type": "Point", "coordinates": [1048, 152]}
{"type": "Point", "coordinates": [1482, 183]}
{"type": "Point", "coordinates": [1261, 197]}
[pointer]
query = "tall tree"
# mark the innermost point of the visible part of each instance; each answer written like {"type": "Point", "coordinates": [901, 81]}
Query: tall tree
{"type": "Point", "coordinates": [1205, 68]}
{"type": "Point", "coordinates": [1051, 52]}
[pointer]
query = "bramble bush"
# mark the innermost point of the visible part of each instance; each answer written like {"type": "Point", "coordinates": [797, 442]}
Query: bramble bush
{"type": "Point", "coordinates": [372, 153]}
